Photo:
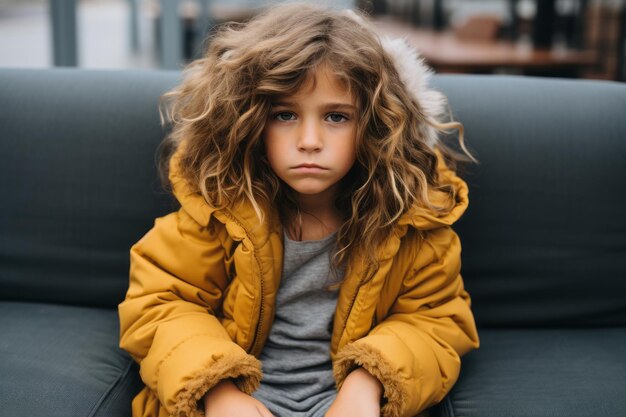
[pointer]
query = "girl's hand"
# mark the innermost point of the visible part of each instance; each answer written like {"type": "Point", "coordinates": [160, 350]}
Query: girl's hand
{"type": "Point", "coordinates": [359, 396]}
{"type": "Point", "coordinates": [225, 399]}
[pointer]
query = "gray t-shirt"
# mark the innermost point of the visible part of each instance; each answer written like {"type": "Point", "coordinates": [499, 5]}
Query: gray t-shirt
{"type": "Point", "coordinates": [297, 371]}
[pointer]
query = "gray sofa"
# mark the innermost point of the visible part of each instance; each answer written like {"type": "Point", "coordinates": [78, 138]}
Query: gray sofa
{"type": "Point", "coordinates": [544, 240]}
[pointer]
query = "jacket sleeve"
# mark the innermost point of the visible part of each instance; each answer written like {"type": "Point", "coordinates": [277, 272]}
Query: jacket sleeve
{"type": "Point", "coordinates": [415, 352]}
{"type": "Point", "coordinates": [167, 321]}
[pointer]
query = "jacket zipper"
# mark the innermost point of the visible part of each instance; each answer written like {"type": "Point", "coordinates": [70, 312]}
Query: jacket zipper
{"type": "Point", "coordinates": [259, 326]}
{"type": "Point", "coordinates": [254, 343]}
{"type": "Point", "coordinates": [349, 311]}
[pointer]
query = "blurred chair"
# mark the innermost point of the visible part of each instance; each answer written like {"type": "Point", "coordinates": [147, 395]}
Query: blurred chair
{"type": "Point", "coordinates": [479, 28]}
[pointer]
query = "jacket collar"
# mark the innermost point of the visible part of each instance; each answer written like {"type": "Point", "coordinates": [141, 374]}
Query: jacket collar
{"type": "Point", "coordinates": [241, 220]}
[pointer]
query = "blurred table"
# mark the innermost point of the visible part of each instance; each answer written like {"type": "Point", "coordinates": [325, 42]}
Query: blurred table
{"type": "Point", "coordinates": [445, 52]}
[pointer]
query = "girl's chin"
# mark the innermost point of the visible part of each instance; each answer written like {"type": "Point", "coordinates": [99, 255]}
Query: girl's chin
{"type": "Point", "coordinates": [311, 192]}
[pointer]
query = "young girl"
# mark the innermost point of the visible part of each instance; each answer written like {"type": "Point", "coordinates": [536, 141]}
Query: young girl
{"type": "Point", "coordinates": [311, 269]}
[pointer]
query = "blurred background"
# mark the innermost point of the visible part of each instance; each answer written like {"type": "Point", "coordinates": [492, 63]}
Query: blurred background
{"type": "Point", "coordinates": [560, 38]}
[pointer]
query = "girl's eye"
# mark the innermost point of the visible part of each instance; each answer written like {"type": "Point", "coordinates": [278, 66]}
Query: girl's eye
{"type": "Point", "coordinates": [337, 117]}
{"type": "Point", "coordinates": [284, 116]}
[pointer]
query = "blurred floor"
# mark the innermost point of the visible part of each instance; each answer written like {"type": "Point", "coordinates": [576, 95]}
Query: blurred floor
{"type": "Point", "coordinates": [103, 35]}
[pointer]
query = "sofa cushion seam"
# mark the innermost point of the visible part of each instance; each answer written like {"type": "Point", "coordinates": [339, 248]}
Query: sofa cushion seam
{"type": "Point", "coordinates": [449, 407]}
{"type": "Point", "coordinates": [110, 389]}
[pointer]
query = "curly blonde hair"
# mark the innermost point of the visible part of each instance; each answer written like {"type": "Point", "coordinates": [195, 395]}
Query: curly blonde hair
{"type": "Point", "coordinates": [221, 107]}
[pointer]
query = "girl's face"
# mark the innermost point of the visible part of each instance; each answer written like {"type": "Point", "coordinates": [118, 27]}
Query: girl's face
{"type": "Point", "coordinates": [310, 137]}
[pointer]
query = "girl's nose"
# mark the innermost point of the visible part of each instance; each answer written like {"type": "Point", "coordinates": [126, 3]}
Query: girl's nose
{"type": "Point", "coordinates": [310, 139]}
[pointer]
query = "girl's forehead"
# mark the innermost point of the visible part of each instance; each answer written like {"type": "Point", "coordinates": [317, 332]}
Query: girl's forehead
{"type": "Point", "coordinates": [324, 76]}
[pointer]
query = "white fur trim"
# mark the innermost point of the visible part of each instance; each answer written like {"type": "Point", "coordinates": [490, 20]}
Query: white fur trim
{"type": "Point", "coordinates": [415, 76]}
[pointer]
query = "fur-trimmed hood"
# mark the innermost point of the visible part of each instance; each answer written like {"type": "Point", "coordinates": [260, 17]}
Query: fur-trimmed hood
{"type": "Point", "coordinates": [416, 76]}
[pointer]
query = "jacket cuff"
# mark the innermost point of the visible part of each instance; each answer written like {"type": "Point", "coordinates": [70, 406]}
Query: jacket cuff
{"type": "Point", "coordinates": [245, 372]}
{"type": "Point", "coordinates": [356, 355]}
{"type": "Point", "coordinates": [232, 362]}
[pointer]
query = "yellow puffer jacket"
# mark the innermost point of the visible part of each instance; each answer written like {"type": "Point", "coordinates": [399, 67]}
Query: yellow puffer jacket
{"type": "Point", "coordinates": [201, 301]}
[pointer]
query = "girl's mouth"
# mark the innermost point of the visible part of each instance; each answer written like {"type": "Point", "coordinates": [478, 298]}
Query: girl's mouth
{"type": "Point", "coordinates": [312, 166]}
{"type": "Point", "coordinates": [309, 170]}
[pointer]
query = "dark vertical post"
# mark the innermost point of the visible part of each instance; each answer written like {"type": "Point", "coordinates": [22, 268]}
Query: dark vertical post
{"type": "Point", "coordinates": [580, 27]}
{"type": "Point", "coordinates": [133, 21]}
{"type": "Point", "coordinates": [171, 35]}
{"type": "Point", "coordinates": [543, 26]}
{"type": "Point", "coordinates": [438, 18]}
{"type": "Point", "coordinates": [416, 18]}
{"type": "Point", "coordinates": [514, 24]}
{"type": "Point", "coordinates": [63, 24]}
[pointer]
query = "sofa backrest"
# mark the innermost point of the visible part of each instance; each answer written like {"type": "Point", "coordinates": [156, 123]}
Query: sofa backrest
{"type": "Point", "coordinates": [544, 238]}
{"type": "Point", "coordinates": [79, 183]}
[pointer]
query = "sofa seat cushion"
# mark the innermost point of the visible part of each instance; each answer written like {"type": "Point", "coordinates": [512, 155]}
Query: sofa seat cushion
{"type": "Point", "coordinates": [63, 361]}
{"type": "Point", "coordinates": [542, 372]}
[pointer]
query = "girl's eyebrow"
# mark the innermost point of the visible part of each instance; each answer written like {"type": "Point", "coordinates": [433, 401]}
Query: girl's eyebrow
{"type": "Point", "coordinates": [333, 106]}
